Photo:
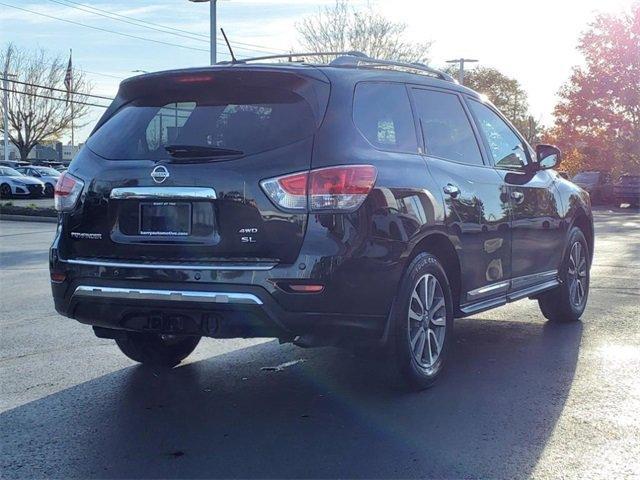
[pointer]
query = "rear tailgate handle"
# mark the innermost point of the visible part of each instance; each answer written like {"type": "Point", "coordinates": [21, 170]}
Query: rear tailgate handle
{"type": "Point", "coordinates": [179, 193]}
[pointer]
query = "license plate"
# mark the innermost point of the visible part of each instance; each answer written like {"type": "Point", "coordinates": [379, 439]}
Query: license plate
{"type": "Point", "coordinates": [165, 219]}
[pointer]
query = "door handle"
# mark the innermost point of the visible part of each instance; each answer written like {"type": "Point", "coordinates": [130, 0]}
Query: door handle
{"type": "Point", "coordinates": [518, 197]}
{"type": "Point", "coordinates": [451, 190]}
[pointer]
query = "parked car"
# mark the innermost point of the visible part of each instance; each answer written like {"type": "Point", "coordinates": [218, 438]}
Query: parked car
{"type": "Point", "coordinates": [47, 175]}
{"type": "Point", "coordinates": [364, 203]}
{"type": "Point", "coordinates": [627, 190]}
{"type": "Point", "coordinates": [13, 183]}
{"type": "Point", "coordinates": [598, 184]}
{"type": "Point", "coordinates": [12, 163]}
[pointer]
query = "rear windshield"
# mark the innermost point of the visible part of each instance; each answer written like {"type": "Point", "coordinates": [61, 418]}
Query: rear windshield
{"type": "Point", "coordinates": [223, 115]}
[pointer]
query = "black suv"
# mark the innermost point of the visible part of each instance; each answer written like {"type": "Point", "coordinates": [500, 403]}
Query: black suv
{"type": "Point", "coordinates": [358, 203]}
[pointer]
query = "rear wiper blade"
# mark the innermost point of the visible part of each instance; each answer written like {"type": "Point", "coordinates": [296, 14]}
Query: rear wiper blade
{"type": "Point", "coordinates": [199, 151]}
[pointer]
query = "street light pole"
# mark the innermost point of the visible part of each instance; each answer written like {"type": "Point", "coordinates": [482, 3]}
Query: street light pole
{"type": "Point", "coordinates": [213, 27]}
{"type": "Point", "coordinates": [461, 62]}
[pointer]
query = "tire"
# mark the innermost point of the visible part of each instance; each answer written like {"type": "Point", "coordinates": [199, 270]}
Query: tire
{"type": "Point", "coordinates": [412, 326]}
{"type": "Point", "coordinates": [5, 191]}
{"type": "Point", "coordinates": [567, 302]}
{"type": "Point", "coordinates": [156, 349]}
{"type": "Point", "coordinates": [48, 190]}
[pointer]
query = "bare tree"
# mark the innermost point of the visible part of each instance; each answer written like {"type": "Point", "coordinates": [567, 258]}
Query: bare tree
{"type": "Point", "coordinates": [343, 28]}
{"type": "Point", "coordinates": [38, 107]}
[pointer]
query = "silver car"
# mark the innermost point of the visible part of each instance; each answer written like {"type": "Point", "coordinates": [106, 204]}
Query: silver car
{"type": "Point", "coordinates": [13, 183]}
{"type": "Point", "coordinates": [47, 175]}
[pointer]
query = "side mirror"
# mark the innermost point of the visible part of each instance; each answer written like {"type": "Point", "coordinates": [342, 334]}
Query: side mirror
{"type": "Point", "coordinates": [548, 156]}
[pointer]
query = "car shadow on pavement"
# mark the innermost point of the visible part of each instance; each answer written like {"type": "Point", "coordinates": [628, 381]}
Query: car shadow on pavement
{"type": "Point", "coordinates": [332, 415]}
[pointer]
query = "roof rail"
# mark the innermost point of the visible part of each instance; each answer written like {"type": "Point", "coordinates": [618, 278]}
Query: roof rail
{"type": "Point", "coordinates": [356, 60]}
{"type": "Point", "coordinates": [350, 59]}
{"type": "Point", "coordinates": [292, 55]}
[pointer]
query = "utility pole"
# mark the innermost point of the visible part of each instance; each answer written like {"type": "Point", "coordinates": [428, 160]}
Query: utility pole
{"type": "Point", "coordinates": [212, 26]}
{"type": "Point", "coordinates": [5, 106]}
{"type": "Point", "coordinates": [461, 62]}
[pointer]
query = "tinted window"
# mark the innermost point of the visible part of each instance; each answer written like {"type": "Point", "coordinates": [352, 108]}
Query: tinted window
{"type": "Point", "coordinates": [248, 119]}
{"type": "Point", "coordinates": [382, 113]}
{"type": "Point", "coordinates": [446, 128]}
{"type": "Point", "coordinates": [506, 148]}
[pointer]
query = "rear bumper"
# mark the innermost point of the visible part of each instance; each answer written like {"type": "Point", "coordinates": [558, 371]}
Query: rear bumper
{"type": "Point", "coordinates": [219, 310]}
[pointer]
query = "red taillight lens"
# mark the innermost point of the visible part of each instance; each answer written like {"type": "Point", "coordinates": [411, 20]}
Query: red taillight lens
{"type": "Point", "coordinates": [66, 192]}
{"type": "Point", "coordinates": [341, 188]}
{"type": "Point", "coordinates": [288, 192]}
{"type": "Point", "coordinates": [294, 184]}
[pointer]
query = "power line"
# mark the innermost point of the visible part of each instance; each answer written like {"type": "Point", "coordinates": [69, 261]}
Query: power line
{"type": "Point", "coordinates": [152, 26]}
{"type": "Point", "coordinates": [77, 102]}
{"type": "Point", "coordinates": [104, 29]}
{"type": "Point", "coordinates": [58, 90]}
{"type": "Point", "coordinates": [203, 36]}
{"type": "Point", "coordinates": [103, 74]}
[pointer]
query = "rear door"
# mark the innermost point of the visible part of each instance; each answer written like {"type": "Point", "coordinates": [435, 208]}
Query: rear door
{"type": "Point", "coordinates": [174, 173]}
{"type": "Point", "coordinates": [477, 209]}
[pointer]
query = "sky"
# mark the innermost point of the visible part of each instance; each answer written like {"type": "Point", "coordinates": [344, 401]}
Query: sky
{"type": "Point", "coordinates": [532, 41]}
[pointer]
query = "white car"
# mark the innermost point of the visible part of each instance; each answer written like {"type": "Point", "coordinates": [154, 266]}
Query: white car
{"type": "Point", "coordinates": [14, 183]}
{"type": "Point", "coordinates": [47, 175]}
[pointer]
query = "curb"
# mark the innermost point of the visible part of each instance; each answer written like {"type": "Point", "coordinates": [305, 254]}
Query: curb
{"type": "Point", "coordinates": [28, 218]}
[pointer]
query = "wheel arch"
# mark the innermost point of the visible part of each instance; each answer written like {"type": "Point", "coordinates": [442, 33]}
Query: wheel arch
{"type": "Point", "coordinates": [584, 223]}
{"type": "Point", "coordinates": [439, 245]}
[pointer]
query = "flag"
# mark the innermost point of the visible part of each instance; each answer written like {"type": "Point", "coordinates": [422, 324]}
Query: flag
{"type": "Point", "coordinates": [68, 79]}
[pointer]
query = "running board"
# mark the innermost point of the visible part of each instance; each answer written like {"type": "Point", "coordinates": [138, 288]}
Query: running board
{"type": "Point", "coordinates": [478, 307]}
{"type": "Point", "coordinates": [87, 291]}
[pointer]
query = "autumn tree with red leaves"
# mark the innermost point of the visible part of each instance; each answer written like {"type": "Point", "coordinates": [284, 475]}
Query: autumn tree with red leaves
{"type": "Point", "coordinates": [598, 116]}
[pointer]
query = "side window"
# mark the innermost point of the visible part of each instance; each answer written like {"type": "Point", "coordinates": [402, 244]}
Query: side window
{"type": "Point", "coordinates": [446, 128]}
{"type": "Point", "coordinates": [506, 148]}
{"type": "Point", "coordinates": [382, 113]}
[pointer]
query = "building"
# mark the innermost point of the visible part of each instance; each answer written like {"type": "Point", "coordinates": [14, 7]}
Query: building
{"type": "Point", "coordinates": [69, 151]}
{"type": "Point", "coordinates": [50, 151]}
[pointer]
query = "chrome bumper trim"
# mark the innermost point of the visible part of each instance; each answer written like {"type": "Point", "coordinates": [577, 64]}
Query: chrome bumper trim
{"type": "Point", "coordinates": [169, 295]}
{"type": "Point", "coordinates": [163, 193]}
{"type": "Point", "coordinates": [169, 266]}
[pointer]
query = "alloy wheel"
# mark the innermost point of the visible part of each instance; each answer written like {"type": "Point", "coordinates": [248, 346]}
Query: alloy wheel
{"type": "Point", "coordinates": [427, 319]}
{"type": "Point", "coordinates": [577, 274]}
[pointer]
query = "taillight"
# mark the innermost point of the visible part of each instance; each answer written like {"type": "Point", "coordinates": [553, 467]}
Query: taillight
{"type": "Point", "coordinates": [67, 191]}
{"type": "Point", "coordinates": [288, 192]}
{"type": "Point", "coordinates": [342, 188]}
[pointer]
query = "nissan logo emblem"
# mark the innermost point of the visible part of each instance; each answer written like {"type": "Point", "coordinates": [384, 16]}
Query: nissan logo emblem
{"type": "Point", "coordinates": [160, 174]}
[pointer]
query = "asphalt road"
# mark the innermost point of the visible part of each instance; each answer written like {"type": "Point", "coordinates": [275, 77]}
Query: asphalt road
{"type": "Point", "coordinates": [521, 398]}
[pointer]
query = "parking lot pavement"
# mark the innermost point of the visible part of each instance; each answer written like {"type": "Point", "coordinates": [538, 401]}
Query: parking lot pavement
{"type": "Point", "coordinates": [520, 398]}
